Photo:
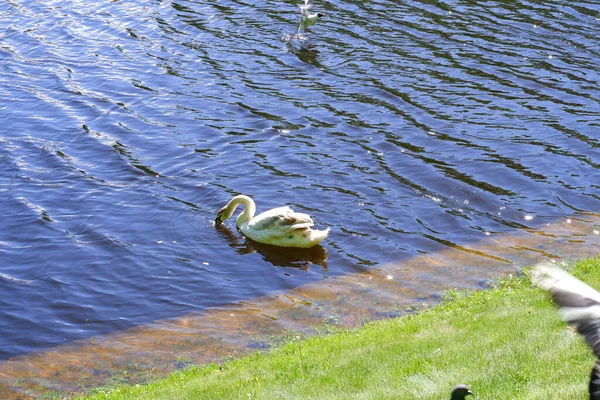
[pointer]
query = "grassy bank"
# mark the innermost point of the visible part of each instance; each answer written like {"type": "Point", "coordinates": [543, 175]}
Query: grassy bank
{"type": "Point", "coordinates": [507, 342]}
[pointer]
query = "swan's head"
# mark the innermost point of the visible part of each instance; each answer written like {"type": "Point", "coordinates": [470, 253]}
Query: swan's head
{"type": "Point", "coordinates": [224, 214]}
{"type": "Point", "coordinates": [321, 15]}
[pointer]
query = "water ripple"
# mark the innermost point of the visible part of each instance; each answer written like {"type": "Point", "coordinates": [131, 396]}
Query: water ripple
{"type": "Point", "coordinates": [407, 128]}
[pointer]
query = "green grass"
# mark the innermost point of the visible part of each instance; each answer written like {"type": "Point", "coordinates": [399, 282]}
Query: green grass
{"type": "Point", "coordinates": [506, 343]}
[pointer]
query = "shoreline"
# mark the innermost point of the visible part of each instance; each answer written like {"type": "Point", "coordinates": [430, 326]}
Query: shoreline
{"type": "Point", "coordinates": [150, 352]}
{"type": "Point", "coordinates": [507, 340]}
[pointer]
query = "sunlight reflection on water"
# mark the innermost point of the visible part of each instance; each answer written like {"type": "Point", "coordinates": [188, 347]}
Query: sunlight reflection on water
{"type": "Point", "coordinates": [413, 130]}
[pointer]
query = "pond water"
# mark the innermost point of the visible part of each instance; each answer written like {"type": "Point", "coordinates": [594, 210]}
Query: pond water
{"type": "Point", "coordinates": [407, 127]}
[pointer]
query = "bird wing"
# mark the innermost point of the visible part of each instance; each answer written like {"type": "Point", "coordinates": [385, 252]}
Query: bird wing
{"type": "Point", "coordinates": [305, 7]}
{"type": "Point", "coordinates": [577, 300]}
{"type": "Point", "coordinates": [579, 303]}
{"type": "Point", "coordinates": [282, 219]}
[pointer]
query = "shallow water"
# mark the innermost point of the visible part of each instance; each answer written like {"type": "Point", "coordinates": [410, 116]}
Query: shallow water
{"type": "Point", "coordinates": [407, 128]}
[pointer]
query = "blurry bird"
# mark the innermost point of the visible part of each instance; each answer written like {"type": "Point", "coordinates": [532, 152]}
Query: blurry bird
{"type": "Point", "coordinates": [579, 305]}
{"type": "Point", "coordinates": [307, 19]}
{"type": "Point", "coordinates": [460, 392]}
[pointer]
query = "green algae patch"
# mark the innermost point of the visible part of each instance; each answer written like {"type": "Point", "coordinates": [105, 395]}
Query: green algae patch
{"type": "Point", "coordinates": [506, 342]}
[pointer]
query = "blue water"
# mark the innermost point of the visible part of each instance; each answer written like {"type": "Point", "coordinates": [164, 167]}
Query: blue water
{"type": "Point", "coordinates": [406, 127]}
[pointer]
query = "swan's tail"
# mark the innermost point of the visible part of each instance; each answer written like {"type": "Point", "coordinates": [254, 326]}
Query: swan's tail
{"type": "Point", "coordinates": [318, 236]}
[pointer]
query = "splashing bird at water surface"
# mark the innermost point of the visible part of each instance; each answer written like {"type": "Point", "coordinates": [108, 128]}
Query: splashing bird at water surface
{"type": "Point", "coordinates": [308, 19]}
{"type": "Point", "coordinates": [579, 305]}
{"type": "Point", "coordinates": [280, 226]}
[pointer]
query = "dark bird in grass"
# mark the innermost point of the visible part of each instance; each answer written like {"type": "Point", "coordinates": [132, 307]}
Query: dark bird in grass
{"type": "Point", "coordinates": [460, 392]}
{"type": "Point", "coordinates": [579, 305]}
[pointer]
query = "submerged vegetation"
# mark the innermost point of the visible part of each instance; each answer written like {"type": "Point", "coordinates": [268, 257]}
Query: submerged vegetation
{"type": "Point", "coordinates": [507, 342]}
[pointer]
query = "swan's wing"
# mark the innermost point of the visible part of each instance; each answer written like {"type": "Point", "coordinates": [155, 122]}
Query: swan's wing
{"type": "Point", "coordinates": [282, 219]}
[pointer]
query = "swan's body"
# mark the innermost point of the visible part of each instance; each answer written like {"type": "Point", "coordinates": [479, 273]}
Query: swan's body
{"type": "Point", "coordinates": [280, 226]}
{"type": "Point", "coordinates": [307, 19]}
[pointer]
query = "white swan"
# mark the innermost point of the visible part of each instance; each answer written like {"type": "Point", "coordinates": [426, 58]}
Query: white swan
{"type": "Point", "coordinates": [280, 226]}
{"type": "Point", "coordinates": [307, 19]}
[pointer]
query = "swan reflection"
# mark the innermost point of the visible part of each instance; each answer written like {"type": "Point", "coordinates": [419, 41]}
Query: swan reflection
{"type": "Point", "coordinates": [277, 256]}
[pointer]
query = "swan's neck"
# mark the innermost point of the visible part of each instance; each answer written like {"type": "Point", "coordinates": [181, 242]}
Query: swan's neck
{"type": "Point", "coordinates": [249, 208]}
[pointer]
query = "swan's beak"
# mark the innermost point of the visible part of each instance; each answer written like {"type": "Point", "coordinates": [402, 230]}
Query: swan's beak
{"type": "Point", "coordinates": [321, 15]}
{"type": "Point", "coordinates": [218, 220]}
